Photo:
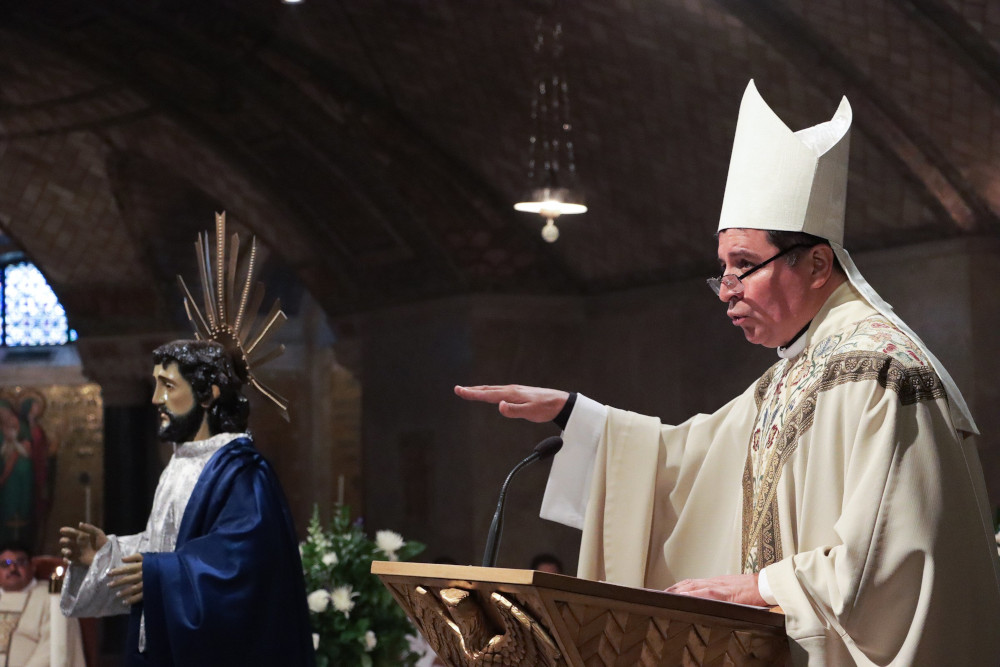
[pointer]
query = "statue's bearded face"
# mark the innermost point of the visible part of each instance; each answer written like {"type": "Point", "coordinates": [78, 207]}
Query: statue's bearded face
{"type": "Point", "coordinates": [182, 419]}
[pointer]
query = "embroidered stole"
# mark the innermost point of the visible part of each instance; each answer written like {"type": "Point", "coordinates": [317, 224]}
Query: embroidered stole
{"type": "Point", "coordinates": [766, 451]}
{"type": "Point", "coordinates": [11, 607]}
{"type": "Point", "coordinates": [873, 350]}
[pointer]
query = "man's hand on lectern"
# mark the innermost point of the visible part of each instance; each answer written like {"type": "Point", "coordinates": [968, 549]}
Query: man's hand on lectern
{"type": "Point", "coordinates": [518, 402]}
{"type": "Point", "coordinates": [740, 588]}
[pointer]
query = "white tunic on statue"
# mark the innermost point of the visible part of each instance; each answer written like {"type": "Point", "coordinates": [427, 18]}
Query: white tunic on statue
{"type": "Point", "coordinates": [85, 591]}
{"type": "Point", "coordinates": [839, 474]}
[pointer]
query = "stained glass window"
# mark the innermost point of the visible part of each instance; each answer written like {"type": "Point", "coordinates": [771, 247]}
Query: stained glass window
{"type": "Point", "coordinates": [32, 314]}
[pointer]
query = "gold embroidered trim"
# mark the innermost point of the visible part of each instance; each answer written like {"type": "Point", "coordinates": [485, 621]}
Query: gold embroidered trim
{"type": "Point", "coordinates": [760, 520]}
{"type": "Point", "coordinates": [912, 385]}
{"type": "Point", "coordinates": [756, 520]}
{"type": "Point", "coordinates": [8, 621]}
{"type": "Point", "coordinates": [763, 383]}
{"type": "Point", "coordinates": [747, 507]}
{"type": "Point", "coordinates": [769, 549]}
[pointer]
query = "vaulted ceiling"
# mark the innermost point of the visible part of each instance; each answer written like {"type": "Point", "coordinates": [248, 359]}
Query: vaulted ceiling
{"type": "Point", "coordinates": [375, 147]}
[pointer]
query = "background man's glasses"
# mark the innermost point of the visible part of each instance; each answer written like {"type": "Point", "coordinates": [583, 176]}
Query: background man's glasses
{"type": "Point", "coordinates": [732, 282]}
{"type": "Point", "coordinates": [8, 563]}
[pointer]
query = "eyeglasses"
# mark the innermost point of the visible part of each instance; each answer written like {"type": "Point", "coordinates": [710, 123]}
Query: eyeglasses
{"type": "Point", "coordinates": [8, 563]}
{"type": "Point", "coordinates": [732, 282]}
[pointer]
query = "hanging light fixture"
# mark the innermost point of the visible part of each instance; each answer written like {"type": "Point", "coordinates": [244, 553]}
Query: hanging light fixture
{"type": "Point", "coordinates": [553, 190]}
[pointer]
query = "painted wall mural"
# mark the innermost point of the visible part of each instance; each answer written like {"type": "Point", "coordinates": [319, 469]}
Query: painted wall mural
{"type": "Point", "coordinates": [51, 461]}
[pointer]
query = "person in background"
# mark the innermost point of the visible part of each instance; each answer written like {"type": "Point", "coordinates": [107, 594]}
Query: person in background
{"type": "Point", "coordinates": [545, 562]}
{"type": "Point", "coordinates": [24, 614]}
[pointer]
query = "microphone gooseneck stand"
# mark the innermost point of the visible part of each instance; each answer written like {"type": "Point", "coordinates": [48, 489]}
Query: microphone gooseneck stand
{"type": "Point", "coordinates": [543, 450]}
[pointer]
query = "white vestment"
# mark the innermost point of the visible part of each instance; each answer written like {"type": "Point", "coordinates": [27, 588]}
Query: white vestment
{"type": "Point", "coordinates": [24, 630]}
{"type": "Point", "coordinates": [840, 471]}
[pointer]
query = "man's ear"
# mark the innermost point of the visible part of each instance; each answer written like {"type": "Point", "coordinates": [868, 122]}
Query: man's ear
{"type": "Point", "coordinates": [821, 264]}
{"type": "Point", "coordinates": [215, 396]}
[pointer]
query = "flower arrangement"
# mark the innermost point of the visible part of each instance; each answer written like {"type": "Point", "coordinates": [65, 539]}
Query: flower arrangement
{"type": "Point", "coordinates": [996, 527]}
{"type": "Point", "coordinates": [354, 618]}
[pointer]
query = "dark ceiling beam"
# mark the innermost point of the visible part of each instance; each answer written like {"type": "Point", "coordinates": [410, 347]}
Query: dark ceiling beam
{"type": "Point", "coordinates": [438, 166]}
{"type": "Point", "coordinates": [344, 153]}
{"type": "Point", "coordinates": [419, 159]}
{"type": "Point", "coordinates": [100, 41]}
{"type": "Point", "coordinates": [379, 127]}
{"type": "Point", "coordinates": [229, 62]}
{"type": "Point", "coordinates": [882, 121]}
{"type": "Point", "coordinates": [46, 31]}
{"type": "Point", "coordinates": [965, 44]}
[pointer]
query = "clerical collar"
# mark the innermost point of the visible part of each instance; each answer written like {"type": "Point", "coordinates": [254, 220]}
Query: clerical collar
{"type": "Point", "coordinates": [794, 347]}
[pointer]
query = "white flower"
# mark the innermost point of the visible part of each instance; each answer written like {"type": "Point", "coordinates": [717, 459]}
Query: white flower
{"type": "Point", "coordinates": [315, 641]}
{"type": "Point", "coordinates": [342, 598]}
{"type": "Point", "coordinates": [319, 539]}
{"type": "Point", "coordinates": [370, 641]}
{"type": "Point", "coordinates": [318, 601]}
{"type": "Point", "coordinates": [390, 542]}
{"type": "Point", "coordinates": [330, 559]}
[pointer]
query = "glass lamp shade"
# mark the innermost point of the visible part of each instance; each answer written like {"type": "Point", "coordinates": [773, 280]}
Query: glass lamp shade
{"type": "Point", "coordinates": [552, 202]}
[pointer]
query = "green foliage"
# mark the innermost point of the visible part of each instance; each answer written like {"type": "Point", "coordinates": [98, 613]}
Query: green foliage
{"type": "Point", "coordinates": [355, 616]}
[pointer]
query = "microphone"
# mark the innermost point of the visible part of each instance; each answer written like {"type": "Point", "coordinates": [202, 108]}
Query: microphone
{"type": "Point", "coordinates": [543, 450]}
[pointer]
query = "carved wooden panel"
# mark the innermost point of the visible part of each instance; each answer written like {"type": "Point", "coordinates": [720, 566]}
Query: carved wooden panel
{"type": "Point", "coordinates": [470, 628]}
{"type": "Point", "coordinates": [615, 638]}
{"type": "Point", "coordinates": [486, 616]}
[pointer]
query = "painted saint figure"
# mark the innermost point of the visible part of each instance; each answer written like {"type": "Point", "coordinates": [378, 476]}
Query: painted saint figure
{"type": "Point", "coordinates": [31, 407]}
{"type": "Point", "coordinates": [16, 477]}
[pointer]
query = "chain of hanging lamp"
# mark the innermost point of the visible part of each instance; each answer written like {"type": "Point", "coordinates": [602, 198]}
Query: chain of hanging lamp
{"type": "Point", "coordinates": [552, 178]}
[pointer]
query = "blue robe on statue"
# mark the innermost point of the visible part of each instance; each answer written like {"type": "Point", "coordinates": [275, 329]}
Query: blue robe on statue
{"type": "Point", "coordinates": [232, 592]}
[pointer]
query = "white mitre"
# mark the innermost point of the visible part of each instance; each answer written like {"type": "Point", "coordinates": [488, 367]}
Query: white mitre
{"type": "Point", "coordinates": [797, 181]}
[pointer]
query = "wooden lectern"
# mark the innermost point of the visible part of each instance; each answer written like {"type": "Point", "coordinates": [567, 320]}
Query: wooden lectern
{"type": "Point", "coordinates": [474, 616]}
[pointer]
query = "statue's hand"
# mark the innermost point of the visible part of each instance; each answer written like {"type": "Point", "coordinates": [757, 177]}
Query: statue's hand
{"type": "Point", "coordinates": [128, 578]}
{"type": "Point", "coordinates": [79, 545]}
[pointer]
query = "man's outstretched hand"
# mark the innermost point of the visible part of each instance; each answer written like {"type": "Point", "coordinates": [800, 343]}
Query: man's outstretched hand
{"type": "Point", "coordinates": [78, 545]}
{"type": "Point", "coordinates": [740, 588]}
{"type": "Point", "coordinates": [518, 402]}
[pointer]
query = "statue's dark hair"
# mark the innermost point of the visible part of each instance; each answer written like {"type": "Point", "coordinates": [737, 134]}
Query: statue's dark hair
{"type": "Point", "coordinates": [203, 364]}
